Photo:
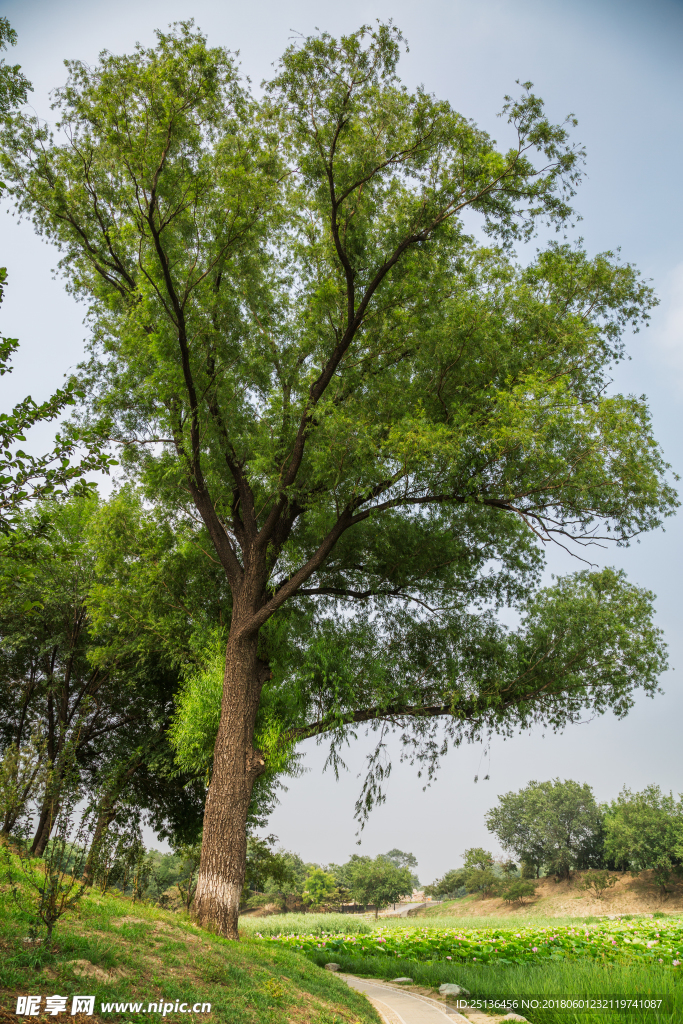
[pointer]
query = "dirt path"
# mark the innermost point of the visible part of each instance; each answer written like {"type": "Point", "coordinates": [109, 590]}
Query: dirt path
{"type": "Point", "coordinates": [398, 1005]}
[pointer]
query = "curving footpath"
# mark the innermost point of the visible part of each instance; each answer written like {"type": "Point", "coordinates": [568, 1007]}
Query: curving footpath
{"type": "Point", "coordinates": [397, 1006]}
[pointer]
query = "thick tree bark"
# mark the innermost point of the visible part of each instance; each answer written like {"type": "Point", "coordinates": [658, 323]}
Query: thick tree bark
{"type": "Point", "coordinates": [236, 766]}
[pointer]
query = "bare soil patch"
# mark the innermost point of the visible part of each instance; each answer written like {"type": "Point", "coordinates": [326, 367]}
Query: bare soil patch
{"type": "Point", "coordinates": [630, 895]}
{"type": "Point", "coordinates": [84, 969]}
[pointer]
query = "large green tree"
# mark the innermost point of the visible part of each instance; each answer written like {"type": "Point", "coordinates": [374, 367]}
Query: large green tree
{"type": "Point", "coordinates": [644, 831]}
{"type": "Point", "coordinates": [379, 421]}
{"type": "Point", "coordinates": [377, 882]}
{"type": "Point", "coordinates": [557, 825]}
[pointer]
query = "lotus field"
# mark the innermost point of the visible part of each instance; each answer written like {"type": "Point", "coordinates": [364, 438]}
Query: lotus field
{"type": "Point", "coordinates": [642, 941]}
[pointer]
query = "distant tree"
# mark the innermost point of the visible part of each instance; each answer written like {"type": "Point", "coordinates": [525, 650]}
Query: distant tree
{"type": "Point", "coordinates": [378, 881]}
{"type": "Point", "coordinates": [400, 859]}
{"type": "Point", "coordinates": [297, 868]}
{"type": "Point", "coordinates": [518, 891]}
{"type": "Point", "coordinates": [644, 831]}
{"type": "Point", "coordinates": [508, 868]}
{"type": "Point", "coordinates": [477, 858]}
{"type": "Point", "coordinates": [320, 888]}
{"type": "Point", "coordinates": [285, 888]}
{"type": "Point", "coordinates": [265, 863]}
{"type": "Point", "coordinates": [479, 872]}
{"type": "Point", "coordinates": [552, 824]}
{"type": "Point", "coordinates": [449, 886]}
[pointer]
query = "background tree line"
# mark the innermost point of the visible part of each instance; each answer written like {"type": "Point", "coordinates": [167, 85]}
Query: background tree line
{"type": "Point", "coordinates": [556, 827]}
{"type": "Point", "coordinates": [285, 882]}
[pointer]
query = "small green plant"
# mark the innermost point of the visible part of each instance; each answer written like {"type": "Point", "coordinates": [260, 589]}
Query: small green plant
{"type": "Point", "coordinates": [187, 886]}
{"type": "Point", "coordinates": [519, 891]}
{"type": "Point", "coordinates": [45, 888]}
{"type": "Point", "coordinates": [597, 883]}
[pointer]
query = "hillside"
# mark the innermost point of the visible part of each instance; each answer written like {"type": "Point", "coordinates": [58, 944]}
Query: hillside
{"type": "Point", "coordinates": [123, 953]}
{"type": "Point", "coordinates": [630, 895]}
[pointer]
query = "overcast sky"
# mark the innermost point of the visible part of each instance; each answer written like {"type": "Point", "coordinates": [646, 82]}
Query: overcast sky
{"type": "Point", "coordinates": [618, 67]}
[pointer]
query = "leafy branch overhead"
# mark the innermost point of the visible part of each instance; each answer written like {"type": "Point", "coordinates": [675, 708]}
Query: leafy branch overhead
{"type": "Point", "coordinates": [24, 476]}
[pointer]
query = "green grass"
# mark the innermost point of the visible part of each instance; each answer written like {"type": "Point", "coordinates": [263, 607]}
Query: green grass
{"type": "Point", "coordinates": [356, 924]}
{"type": "Point", "coordinates": [578, 980]}
{"type": "Point", "coordinates": [306, 924]}
{"type": "Point", "coordinates": [159, 954]}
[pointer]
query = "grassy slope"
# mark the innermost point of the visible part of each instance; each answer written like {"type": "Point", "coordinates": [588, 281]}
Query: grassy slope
{"type": "Point", "coordinates": [139, 953]}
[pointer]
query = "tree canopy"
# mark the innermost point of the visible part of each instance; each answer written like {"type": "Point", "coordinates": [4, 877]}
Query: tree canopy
{"type": "Point", "coordinates": [23, 475]}
{"type": "Point", "coordinates": [378, 419]}
{"type": "Point", "coordinates": [644, 831]}
{"type": "Point", "coordinates": [378, 881]}
{"type": "Point", "coordinates": [556, 825]}
{"type": "Point", "coordinates": [86, 688]}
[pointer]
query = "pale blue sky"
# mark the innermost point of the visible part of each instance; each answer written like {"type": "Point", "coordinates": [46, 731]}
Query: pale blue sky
{"type": "Point", "coordinates": [618, 67]}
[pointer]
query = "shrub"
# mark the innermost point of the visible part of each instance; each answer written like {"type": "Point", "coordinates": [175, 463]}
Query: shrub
{"type": "Point", "coordinates": [45, 888]}
{"type": "Point", "coordinates": [597, 883]}
{"type": "Point", "coordinates": [519, 891]}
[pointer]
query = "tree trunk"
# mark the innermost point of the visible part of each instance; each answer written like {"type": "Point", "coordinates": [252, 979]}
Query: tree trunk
{"type": "Point", "coordinates": [104, 820]}
{"type": "Point", "coordinates": [236, 766]}
{"type": "Point", "coordinates": [107, 813]}
{"type": "Point", "coordinates": [43, 830]}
